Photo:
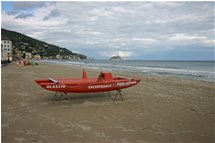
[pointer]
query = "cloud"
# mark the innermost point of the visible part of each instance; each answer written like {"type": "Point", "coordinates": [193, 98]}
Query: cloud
{"type": "Point", "coordinates": [24, 15]}
{"type": "Point", "coordinates": [210, 42]}
{"type": "Point", "coordinates": [123, 54]}
{"type": "Point", "coordinates": [26, 5]}
{"type": "Point", "coordinates": [182, 37]}
{"type": "Point", "coordinates": [144, 40]}
{"type": "Point", "coordinates": [53, 13]}
{"type": "Point", "coordinates": [130, 29]}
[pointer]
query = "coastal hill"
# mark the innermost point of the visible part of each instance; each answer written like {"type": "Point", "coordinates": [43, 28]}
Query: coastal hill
{"type": "Point", "coordinates": [116, 58]}
{"type": "Point", "coordinates": [25, 43]}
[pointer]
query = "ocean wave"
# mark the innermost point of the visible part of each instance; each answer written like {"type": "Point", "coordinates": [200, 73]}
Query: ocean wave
{"type": "Point", "coordinates": [147, 70]}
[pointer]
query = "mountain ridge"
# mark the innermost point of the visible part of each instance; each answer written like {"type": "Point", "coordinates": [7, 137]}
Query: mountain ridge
{"type": "Point", "coordinates": [34, 46]}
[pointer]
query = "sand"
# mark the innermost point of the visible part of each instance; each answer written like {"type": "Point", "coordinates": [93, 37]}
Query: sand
{"type": "Point", "coordinates": [159, 109]}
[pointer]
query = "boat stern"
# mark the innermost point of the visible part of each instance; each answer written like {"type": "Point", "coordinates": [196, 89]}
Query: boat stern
{"type": "Point", "coordinates": [50, 84]}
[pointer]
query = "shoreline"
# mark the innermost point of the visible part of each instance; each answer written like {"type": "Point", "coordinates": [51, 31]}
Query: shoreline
{"type": "Point", "coordinates": [140, 74]}
{"type": "Point", "coordinates": [158, 109]}
{"type": "Point", "coordinates": [143, 70]}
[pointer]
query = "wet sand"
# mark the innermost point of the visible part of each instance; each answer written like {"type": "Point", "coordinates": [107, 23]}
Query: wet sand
{"type": "Point", "coordinates": [159, 109]}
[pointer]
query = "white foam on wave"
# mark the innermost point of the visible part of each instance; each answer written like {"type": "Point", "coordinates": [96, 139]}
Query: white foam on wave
{"type": "Point", "coordinates": [193, 74]}
{"type": "Point", "coordinates": [157, 71]}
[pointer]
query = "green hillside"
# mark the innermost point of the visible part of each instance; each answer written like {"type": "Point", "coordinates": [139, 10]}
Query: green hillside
{"type": "Point", "coordinates": [36, 47]}
{"type": "Point", "coordinates": [116, 58]}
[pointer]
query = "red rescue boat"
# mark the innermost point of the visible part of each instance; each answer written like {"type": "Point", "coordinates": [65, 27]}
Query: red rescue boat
{"type": "Point", "coordinates": [104, 83]}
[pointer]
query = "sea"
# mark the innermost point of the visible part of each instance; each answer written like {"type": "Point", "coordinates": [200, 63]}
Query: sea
{"type": "Point", "coordinates": [197, 70]}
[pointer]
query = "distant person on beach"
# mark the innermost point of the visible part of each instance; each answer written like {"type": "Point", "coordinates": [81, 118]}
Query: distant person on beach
{"type": "Point", "coordinates": [23, 56]}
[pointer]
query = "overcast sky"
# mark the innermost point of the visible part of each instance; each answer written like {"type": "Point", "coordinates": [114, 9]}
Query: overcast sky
{"type": "Point", "coordinates": [133, 30]}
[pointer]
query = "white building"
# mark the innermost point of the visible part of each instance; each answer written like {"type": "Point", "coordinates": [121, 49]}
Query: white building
{"type": "Point", "coordinates": [6, 49]}
{"type": "Point", "coordinates": [28, 55]}
{"type": "Point", "coordinates": [37, 57]}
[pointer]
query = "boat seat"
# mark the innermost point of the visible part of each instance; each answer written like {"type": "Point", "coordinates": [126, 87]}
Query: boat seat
{"type": "Point", "coordinates": [55, 81]}
{"type": "Point", "coordinates": [105, 76]}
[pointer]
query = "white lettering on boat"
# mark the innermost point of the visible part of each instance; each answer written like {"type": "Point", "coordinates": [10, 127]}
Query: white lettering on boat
{"type": "Point", "coordinates": [100, 86]}
{"type": "Point", "coordinates": [126, 83]}
{"type": "Point", "coordinates": [56, 86]}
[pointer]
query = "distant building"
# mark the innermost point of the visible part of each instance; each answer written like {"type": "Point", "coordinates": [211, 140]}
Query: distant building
{"type": "Point", "coordinates": [28, 55]}
{"type": "Point", "coordinates": [37, 57]}
{"type": "Point", "coordinates": [6, 49]}
{"type": "Point", "coordinates": [59, 57]}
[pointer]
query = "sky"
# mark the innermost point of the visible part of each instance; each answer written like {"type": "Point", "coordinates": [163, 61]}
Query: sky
{"type": "Point", "coordinates": [133, 30]}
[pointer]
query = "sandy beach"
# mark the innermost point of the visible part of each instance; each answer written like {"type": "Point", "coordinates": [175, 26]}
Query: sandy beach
{"type": "Point", "coordinates": [157, 110]}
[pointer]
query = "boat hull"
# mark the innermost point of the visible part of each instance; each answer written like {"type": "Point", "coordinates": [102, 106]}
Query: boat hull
{"type": "Point", "coordinates": [86, 86]}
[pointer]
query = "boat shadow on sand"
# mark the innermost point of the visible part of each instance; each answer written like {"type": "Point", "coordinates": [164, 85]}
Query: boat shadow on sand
{"type": "Point", "coordinates": [80, 98]}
